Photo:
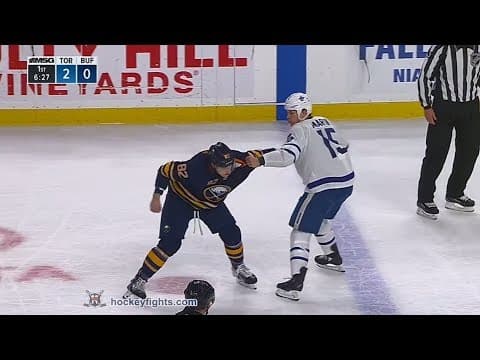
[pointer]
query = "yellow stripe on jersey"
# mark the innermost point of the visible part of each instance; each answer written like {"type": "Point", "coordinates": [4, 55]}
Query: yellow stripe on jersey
{"type": "Point", "coordinates": [169, 167]}
{"type": "Point", "coordinates": [165, 169]}
{"type": "Point", "coordinates": [170, 170]}
{"type": "Point", "coordinates": [207, 203]}
{"type": "Point", "coordinates": [175, 186]}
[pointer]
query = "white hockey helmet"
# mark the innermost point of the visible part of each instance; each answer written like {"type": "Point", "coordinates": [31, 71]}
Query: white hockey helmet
{"type": "Point", "coordinates": [299, 101]}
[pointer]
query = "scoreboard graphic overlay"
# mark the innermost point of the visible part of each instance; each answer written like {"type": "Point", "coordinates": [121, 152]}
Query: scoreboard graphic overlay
{"type": "Point", "coordinates": [62, 69]}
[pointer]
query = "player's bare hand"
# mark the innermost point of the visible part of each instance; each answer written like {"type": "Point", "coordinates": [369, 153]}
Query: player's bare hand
{"type": "Point", "coordinates": [430, 116]}
{"type": "Point", "coordinates": [156, 204]}
{"type": "Point", "coordinates": [252, 160]}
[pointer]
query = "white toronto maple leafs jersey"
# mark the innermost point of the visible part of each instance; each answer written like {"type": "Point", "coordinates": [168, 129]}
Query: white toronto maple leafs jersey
{"type": "Point", "coordinates": [320, 154]}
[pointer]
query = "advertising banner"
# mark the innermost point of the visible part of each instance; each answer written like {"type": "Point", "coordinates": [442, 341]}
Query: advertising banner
{"type": "Point", "coordinates": [133, 76]}
{"type": "Point", "coordinates": [386, 72]}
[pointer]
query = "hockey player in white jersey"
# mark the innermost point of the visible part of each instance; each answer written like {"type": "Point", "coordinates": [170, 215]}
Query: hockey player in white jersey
{"type": "Point", "coordinates": [321, 157]}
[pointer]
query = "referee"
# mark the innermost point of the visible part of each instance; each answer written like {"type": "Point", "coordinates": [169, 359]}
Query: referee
{"type": "Point", "coordinates": [448, 92]}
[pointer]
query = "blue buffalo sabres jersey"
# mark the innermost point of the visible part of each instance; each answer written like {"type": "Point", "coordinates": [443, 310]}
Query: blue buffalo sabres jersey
{"type": "Point", "coordinates": [197, 182]}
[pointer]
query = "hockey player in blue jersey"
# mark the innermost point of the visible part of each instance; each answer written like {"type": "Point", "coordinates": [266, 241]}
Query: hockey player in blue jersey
{"type": "Point", "coordinates": [321, 157]}
{"type": "Point", "coordinates": [197, 188]}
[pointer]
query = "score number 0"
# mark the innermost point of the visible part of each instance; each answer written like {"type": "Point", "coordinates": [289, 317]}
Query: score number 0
{"type": "Point", "coordinates": [86, 74]}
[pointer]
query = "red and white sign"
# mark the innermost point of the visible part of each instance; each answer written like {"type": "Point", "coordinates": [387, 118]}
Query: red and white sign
{"type": "Point", "coordinates": [133, 75]}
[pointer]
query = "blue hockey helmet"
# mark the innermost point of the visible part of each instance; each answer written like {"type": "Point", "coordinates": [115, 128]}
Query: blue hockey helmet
{"type": "Point", "coordinates": [220, 155]}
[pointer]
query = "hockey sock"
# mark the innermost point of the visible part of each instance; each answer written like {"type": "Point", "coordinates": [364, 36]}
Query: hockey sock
{"type": "Point", "coordinates": [235, 254]}
{"type": "Point", "coordinates": [299, 250]}
{"type": "Point", "coordinates": [327, 241]}
{"type": "Point", "coordinates": [154, 260]}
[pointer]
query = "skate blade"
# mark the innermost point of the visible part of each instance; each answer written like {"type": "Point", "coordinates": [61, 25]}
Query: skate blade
{"type": "Point", "coordinates": [290, 295]}
{"type": "Point", "coordinates": [458, 207]}
{"type": "Point", "coordinates": [129, 295]}
{"type": "Point", "coordinates": [250, 286]}
{"type": "Point", "coordinates": [338, 268]}
{"type": "Point", "coordinates": [426, 215]}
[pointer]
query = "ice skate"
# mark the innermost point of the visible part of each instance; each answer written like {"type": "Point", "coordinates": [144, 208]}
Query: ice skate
{"type": "Point", "coordinates": [428, 210]}
{"type": "Point", "coordinates": [245, 276]}
{"type": "Point", "coordinates": [332, 261]}
{"type": "Point", "coordinates": [462, 203]}
{"type": "Point", "coordinates": [136, 287]}
{"type": "Point", "coordinates": [290, 289]}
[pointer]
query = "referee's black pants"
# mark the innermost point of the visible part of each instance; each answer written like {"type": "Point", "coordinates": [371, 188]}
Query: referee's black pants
{"type": "Point", "coordinates": [465, 119]}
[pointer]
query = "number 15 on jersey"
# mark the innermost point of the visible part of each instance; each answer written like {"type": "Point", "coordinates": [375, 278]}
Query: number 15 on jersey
{"type": "Point", "coordinates": [331, 143]}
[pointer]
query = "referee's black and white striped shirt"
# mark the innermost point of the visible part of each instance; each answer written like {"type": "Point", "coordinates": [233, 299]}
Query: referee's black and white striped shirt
{"type": "Point", "coordinates": [450, 72]}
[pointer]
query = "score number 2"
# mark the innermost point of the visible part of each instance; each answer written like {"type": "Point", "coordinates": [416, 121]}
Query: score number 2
{"type": "Point", "coordinates": [66, 74]}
